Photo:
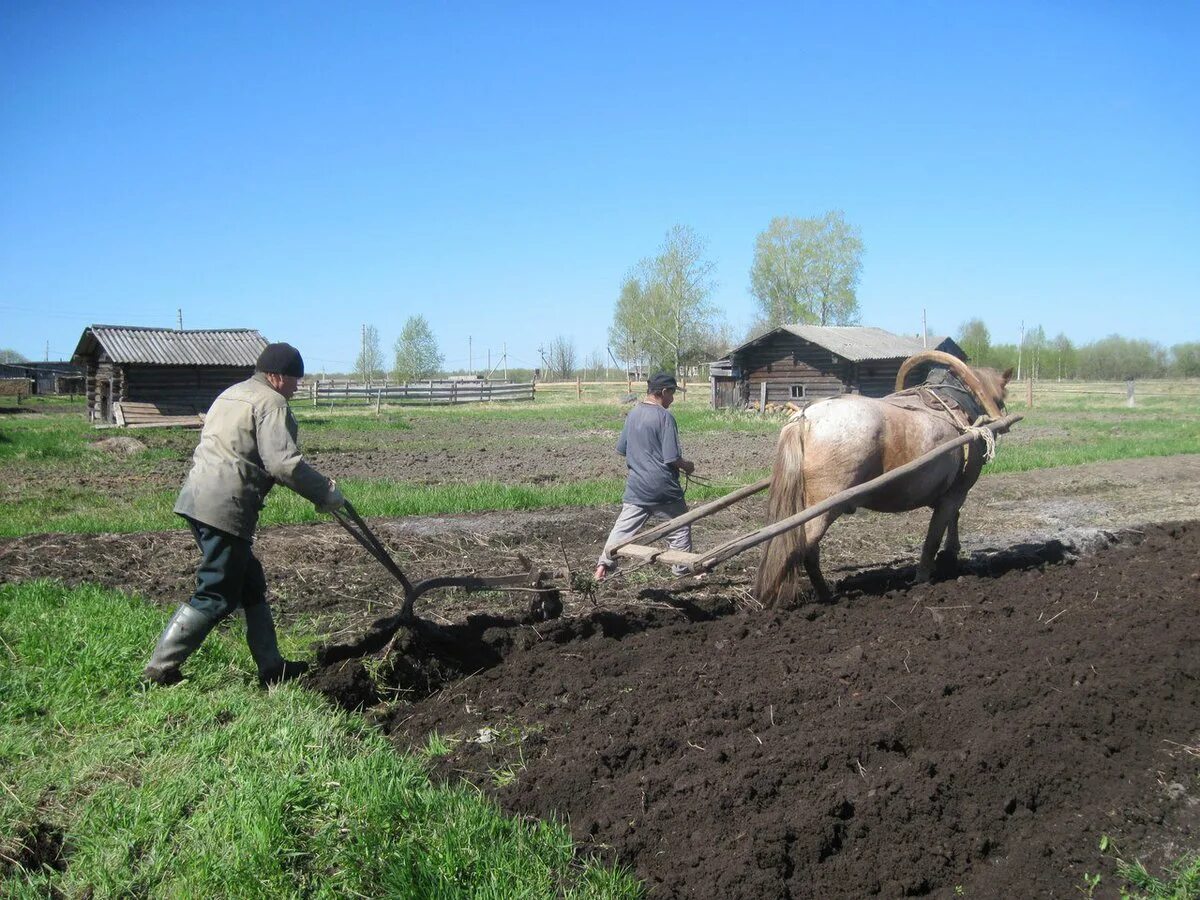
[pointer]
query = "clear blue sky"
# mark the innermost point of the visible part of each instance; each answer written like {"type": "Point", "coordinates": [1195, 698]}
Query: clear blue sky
{"type": "Point", "coordinates": [303, 168]}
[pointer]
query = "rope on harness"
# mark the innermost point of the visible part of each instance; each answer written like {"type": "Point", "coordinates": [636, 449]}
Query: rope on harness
{"type": "Point", "coordinates": [986, 435]}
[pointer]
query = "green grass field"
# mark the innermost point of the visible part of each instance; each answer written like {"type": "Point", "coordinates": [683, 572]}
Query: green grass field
{"type": "Point", "coordinates": [53, 479]}
{"type": "Point", "coordinates": [218, 789]}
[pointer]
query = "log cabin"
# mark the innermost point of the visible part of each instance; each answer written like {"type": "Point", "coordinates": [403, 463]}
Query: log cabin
{"type": "Point", "coordinates": [140, 377]}
{"type": "Point", "coordinates": [802, 363]}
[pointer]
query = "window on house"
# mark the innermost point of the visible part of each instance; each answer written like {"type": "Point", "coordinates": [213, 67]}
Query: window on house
{"type": "Point", "coordinates": [797, 392]}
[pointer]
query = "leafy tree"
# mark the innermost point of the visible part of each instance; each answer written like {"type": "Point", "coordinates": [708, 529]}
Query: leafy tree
{"type": "Point", "coordinates": [1061, 358]}
{"type": "Point", "coordinates": [663, 315]}
{"type": "Point", "coordinates": [11, 356]}
{"type": "Point", "coordinates": [1001, 356]}
{"type": "Point", "coordinates": [1117, 358]}
{"type": "Point", "coordinates": [807, 270]}
{"type": "Point", "coordinates": [976, 340]}
{"type": "Point", "coordinates": [1031, 350]}
{"type": "Point", "coordinates": [417, 356]}
{"type": "Point", "coordinates": [560, 358]}
{"type": "Point", "coordinates": [369, 365]}
{"type": "Point", "coordinates": [1185, 360]}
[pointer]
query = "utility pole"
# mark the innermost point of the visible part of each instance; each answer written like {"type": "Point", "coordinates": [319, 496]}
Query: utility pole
{"type": "Point", "coordinates": [470, 356]}
{"type": "Point", "coordinates": [489, 362]}
{"type": "Point", "coordinates": [47, 351]}
{"type": "Point", "coordinates": [363, 353]}
{"type": "Point", "coordinates": [179, 312]}
{"type": "Point", "coordinates": [506, 360]}
{"type": "Point", "coordinates": [924, 330]}
{"type": "Point", "coordinates": [1020, 348]}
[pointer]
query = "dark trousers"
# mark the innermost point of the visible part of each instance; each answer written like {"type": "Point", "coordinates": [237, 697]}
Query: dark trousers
{"type": "Point", "coordinates": [229, 576]}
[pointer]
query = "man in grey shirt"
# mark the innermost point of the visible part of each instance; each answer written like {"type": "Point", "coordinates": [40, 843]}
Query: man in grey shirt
{"type": "Point", "coordinates": [247, 445]}
{"type": "Point", "coordinates": [650, 444]}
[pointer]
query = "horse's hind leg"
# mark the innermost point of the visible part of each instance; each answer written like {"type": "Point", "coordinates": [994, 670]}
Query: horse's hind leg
{"type": "Point", "coordinates": [814, 531]}
{"type": "Point", "coordinates": [953, 547]}
{"type": "Point", "coordinates": [812, 565]}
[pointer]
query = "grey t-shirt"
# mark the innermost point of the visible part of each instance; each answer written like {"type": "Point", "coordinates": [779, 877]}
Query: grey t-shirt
{"type": "Point", "coordinates": [649, 441]}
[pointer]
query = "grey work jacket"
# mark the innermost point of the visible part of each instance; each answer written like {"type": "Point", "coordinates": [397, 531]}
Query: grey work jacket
{"type": "Point", "coordinates": [247, 445]}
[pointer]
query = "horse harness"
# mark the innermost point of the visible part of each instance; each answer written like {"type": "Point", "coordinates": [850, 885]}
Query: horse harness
{"type": "Point", "coordinates": [943, 392]}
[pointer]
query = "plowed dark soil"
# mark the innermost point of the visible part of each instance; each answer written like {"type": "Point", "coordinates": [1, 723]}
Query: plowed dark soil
{"type": "Point", "coordinates": [972, 736]}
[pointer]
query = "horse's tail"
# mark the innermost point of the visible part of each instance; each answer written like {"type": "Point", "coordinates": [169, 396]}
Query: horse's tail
{"type": "Point", "coordinates": [778, 576]}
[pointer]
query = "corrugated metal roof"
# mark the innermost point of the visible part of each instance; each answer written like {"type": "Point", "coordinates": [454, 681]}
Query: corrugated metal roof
{"type": "Point", "coordinates": [859, 342]}
{"type": "Point", "coordinates": [856, 343]}
{"type": "Point", "coordinates": [164, 346]}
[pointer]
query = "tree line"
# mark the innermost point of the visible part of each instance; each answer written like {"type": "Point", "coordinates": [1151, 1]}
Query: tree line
{"type": "Point", "coordinates": [1113, 358]}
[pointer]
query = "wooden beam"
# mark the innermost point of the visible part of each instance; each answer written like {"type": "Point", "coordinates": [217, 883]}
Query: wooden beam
{"type": "Point", "coordinates": [698, 513]}
{"type": "Point", "coordinates": [657, 554]}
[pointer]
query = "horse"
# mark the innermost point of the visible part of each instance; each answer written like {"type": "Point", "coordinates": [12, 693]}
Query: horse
{"type": "Point", "coordinates": [844, 441]}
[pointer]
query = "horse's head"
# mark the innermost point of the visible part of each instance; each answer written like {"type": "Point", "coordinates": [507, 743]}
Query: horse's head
{"type": "Point", "coordinates": [994, 384]}
{"type": "Point", "coordinates": [989, 393]}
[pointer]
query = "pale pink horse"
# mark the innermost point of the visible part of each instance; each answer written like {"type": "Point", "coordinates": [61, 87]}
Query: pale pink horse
{"type": "Point", "coordinates": [845, 441]}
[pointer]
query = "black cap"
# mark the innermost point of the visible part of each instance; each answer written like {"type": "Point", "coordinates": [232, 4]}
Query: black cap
{"type": "Point", "coordinates": [282, 359]}
{"type": "Point", "coordinates": [660, 381]}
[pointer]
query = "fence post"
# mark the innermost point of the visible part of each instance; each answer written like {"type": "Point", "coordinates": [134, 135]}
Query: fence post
{"type": "Point", "coordinates": [1129, 392]}
{"type": "Point", "coordinates": [378, 399]}
{"type": "Point", "coordinates": [762, 401]}
{"type": "Point", "coordinates": [578, 389]}
{"type": "Point", "coordinates": [1029, 392]}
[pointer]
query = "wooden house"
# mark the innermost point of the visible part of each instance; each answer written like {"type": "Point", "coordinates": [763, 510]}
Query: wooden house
{"type": "Point", "coordinates": [802, 363]}
{"type": "Point", "coordinates": [158, 376]}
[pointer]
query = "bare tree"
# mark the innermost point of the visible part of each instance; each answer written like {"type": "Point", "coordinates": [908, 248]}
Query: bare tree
{"type": "Point", "coordinates": [560, 357]}
{"type": "Point", "coordinates": [595, 364]}
{"type": "Point", "coordinates": [369, 365]}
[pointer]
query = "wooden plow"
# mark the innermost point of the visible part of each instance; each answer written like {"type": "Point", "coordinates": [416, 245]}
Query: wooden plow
{"type": "Point", "coordinates": [638, 547]}
{"type": "Point", "coordinates": [546, 602]}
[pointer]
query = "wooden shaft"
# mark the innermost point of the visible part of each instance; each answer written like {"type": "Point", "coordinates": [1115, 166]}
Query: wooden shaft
{"type": "Point", "coordinates": [848, 497]}
{"type": "Point", "coordinates": [698, 513]}
{"type": "Point", "coordinates": [658, 554]}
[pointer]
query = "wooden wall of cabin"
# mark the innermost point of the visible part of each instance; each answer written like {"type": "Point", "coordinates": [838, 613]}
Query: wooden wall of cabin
{"type": "Point", "coordinates": [785, 360]}
{"type": "Point", "coordinates": [876, 377]}
{"type": "Point", "coordinates": [196, 386]}
{"type": "Point", "coordinates": [102, 383]}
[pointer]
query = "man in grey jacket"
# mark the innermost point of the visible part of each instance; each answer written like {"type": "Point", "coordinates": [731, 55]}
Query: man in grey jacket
{"type": "Point", "coordinates": [247, 445]}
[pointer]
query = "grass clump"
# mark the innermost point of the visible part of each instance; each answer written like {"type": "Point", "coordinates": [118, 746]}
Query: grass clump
{"type": "Point", "coordinates": [1180, 881]}
{"type": "Point", "coordinates": [216, 788]}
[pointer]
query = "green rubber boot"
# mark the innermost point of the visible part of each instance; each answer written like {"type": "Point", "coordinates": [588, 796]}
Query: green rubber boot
{"type": "Point", "coordinates": [264, 647]}
{"type": "Point", "coordinates": [180, 639]}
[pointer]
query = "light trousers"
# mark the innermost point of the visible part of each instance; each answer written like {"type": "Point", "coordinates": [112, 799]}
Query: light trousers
{"type": "Point", "coordinates": [630, 521]}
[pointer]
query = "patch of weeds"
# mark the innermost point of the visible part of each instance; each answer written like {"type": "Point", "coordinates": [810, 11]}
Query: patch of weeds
{"type": "Point", "coordinates": [503, 776]}
{"type": "Point", "coordinates": [1180, 881]}
{"type": "Point", "coordinates": [437, 745]}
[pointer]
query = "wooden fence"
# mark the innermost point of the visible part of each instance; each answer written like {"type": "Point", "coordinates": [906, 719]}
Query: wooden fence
{"type": "Point", "coordinates": [1127, 392]}
{"type": "Point", "coordinates": [426, 392]}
